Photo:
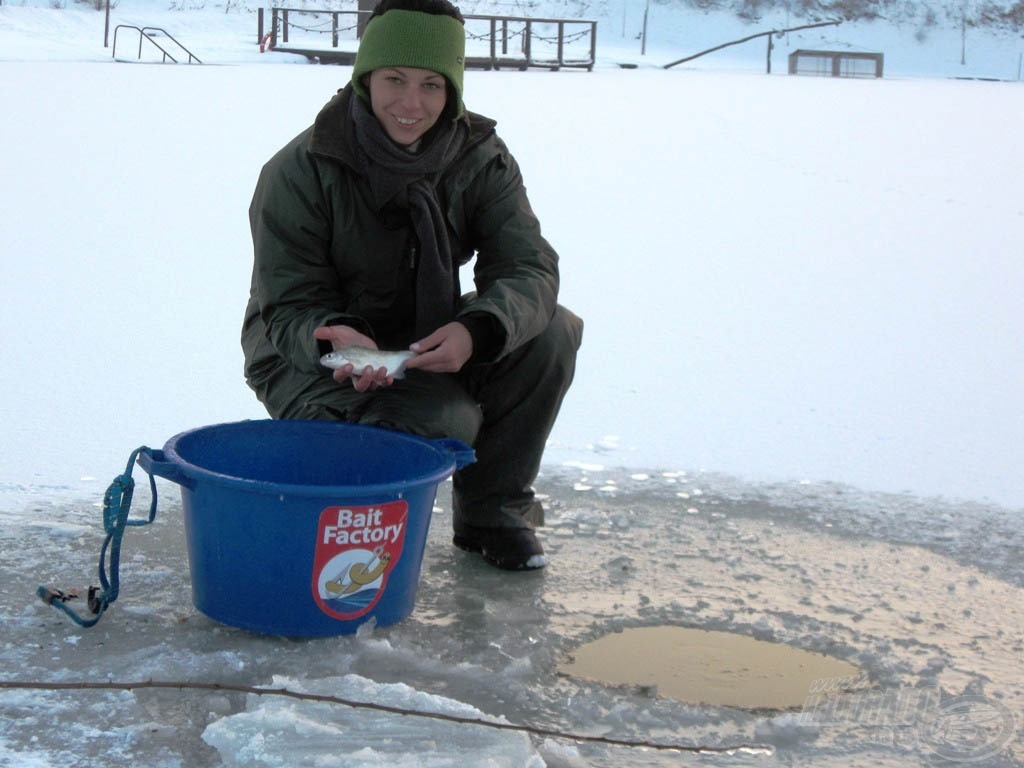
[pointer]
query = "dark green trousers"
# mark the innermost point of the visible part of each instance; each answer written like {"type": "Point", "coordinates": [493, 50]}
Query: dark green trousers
{"type": "Point", "coordinates": [505, 410]}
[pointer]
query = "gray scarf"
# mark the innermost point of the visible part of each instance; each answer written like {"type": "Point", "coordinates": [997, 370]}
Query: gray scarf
{"type": "Point", "coordinates": [410, 179]}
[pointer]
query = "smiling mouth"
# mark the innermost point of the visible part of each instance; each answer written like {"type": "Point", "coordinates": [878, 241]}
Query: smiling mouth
{"type": "Point", "coordinates": [407, 121]}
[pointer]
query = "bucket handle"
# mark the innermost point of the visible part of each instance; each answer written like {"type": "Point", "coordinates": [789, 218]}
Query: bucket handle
{"type": "Point", "coordinates": [461, 452]}
{"type": "Point", "coordinates": [156, 463]}
{"type": "Point", "coordinates": [117, 502]}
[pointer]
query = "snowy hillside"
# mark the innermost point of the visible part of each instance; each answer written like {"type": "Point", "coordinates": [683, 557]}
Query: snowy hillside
{"type": "Point", "coordinates": [918, 40]}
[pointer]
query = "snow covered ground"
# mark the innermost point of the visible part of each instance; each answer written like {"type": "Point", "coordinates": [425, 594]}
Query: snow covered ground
{"type": "Point", "coordinates": [784, 278]}
{"type": "Point", "coordinates": [796, 415]}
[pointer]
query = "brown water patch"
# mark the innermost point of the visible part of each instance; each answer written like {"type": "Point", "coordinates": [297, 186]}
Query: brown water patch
{"type": "Point", "coordinates": [704, 667]}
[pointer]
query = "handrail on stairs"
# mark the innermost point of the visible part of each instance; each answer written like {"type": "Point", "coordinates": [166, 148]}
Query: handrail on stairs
{"type": "Point", "coordinates": [146, 33]}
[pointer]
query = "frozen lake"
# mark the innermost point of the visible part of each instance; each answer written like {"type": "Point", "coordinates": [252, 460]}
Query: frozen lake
{"type": "Point", "coordinates": [917, 596]}
{"type": "Point", "coordinates": [796, 418]}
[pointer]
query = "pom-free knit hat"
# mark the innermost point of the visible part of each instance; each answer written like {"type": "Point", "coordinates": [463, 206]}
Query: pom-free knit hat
{"type": "Point", "coordinates": [399, 38]}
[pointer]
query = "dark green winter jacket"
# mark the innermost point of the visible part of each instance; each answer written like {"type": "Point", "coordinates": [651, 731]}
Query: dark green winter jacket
{"type": "Point", "coordinates": [323, 256]}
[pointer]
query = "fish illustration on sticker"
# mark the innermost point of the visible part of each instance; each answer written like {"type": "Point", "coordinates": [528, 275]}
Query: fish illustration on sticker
{"type": "Point", "coordinates": [359, 575]}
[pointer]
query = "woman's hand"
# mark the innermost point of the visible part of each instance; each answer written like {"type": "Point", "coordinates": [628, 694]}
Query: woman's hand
{"type": "Point", "coordinates": [446, 350]}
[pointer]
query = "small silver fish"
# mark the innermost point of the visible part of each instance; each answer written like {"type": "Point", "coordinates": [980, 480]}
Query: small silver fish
{"type": "Point", "coordinates": [360, 357]}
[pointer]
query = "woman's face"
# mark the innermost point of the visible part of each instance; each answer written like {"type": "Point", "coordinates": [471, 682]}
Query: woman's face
{"type": "Point", "coordinates": [407, 101]}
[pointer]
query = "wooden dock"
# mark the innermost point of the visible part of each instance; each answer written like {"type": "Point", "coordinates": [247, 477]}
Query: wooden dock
{"type": "Point", "coordinates": [492, 42]}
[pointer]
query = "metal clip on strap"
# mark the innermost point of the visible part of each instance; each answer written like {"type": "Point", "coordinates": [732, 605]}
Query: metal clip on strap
{"type": "Point", "coordinates": [117, 502]}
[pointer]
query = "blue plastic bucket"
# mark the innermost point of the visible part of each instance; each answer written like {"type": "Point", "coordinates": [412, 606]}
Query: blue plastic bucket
{"type": "Point", "coordinates": [305, 528]}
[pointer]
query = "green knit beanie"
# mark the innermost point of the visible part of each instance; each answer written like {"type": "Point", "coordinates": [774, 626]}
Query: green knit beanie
{"type": "Point", "coordinates": [400, 38]}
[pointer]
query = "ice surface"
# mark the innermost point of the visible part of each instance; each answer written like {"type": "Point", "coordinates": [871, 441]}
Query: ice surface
{"type": "Point", "coordinates": [280, 733]}
{"type": "Point", "coordinates": [816, 567]}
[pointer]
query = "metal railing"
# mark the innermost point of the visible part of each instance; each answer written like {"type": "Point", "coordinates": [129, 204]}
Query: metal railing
{"type": "Point", "coordinates": [503, 29]}
{"type": "Point", "coordinates": [147, 33]}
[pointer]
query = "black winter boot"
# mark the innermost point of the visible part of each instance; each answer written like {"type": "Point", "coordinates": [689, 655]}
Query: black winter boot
{"type": "Point", "coordinates": [512, 549]}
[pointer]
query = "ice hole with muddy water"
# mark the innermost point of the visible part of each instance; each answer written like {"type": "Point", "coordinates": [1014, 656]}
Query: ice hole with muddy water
{"type": "Point", "coordinates": [703, 667]}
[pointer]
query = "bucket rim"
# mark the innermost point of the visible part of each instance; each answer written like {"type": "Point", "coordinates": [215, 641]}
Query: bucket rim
{"type": "Point", "coordinates": [447, 463]}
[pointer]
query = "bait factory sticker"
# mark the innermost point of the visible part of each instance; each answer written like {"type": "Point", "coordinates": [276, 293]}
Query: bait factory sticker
{"type": "Point", "coordinates": [356, 548]}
